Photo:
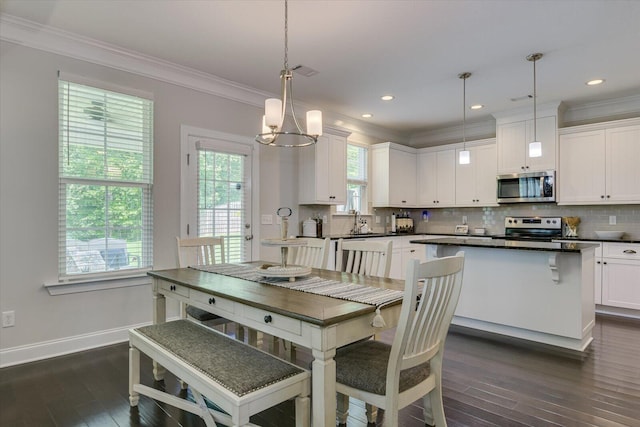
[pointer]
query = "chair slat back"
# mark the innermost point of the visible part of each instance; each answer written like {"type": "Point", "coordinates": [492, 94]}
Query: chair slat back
{"type": "Point", "coordinates": [424, 322]}
{"type": "Point", "coordinates": [371, 258]}
{"type": "Point", "coordinates": [315, 254]}
{"type": "Point", "coordinates": [200, 251]}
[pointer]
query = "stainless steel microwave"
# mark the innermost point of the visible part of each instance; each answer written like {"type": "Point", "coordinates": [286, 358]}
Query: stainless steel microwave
{"type": "Point", "coordinates": [527, 187]}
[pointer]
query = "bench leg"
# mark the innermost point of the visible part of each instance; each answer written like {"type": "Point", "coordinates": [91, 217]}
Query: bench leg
{"type": "Point", "coordinates": [303, 411]}
{"type": "Point", "coordinates": [205, 414]}
{"type": "Point", "coordinates": [134, 375]}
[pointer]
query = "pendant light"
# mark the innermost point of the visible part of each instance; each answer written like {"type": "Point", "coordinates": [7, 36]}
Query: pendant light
{"type": "Point", "coordinates": [275, 109]}
{"type": "Point", "coordinates": [535, 147]}
{"type": "Point", "coordinates": [464, 157]}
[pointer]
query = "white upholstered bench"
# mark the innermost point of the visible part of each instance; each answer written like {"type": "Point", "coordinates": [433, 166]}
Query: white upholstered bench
{"type": "Point", "coordinates": [240, 379]}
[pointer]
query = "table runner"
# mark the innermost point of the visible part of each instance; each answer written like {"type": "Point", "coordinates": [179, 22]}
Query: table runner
{"type": "Point", "coordinates": [311, 284]}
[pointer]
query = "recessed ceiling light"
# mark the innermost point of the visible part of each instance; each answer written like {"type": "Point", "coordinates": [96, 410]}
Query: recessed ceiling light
{"type": "Point", "coordinates": [595, 82]}
{"type": "Point", "coordinates": [476, 106]}
{"type": "Point", "coordinates": [367, 115]}
{"type": "Point", "coordinates": [387, 97]}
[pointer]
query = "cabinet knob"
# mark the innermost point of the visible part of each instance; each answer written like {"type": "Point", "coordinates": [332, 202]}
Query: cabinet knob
{"type": "Point", "coordinates": [604, 262]}
{"type": "Point", "coordinates": [268, 318]}
{"type": "Point", "coordinates": [404, 201]}
{"type": "Point", "coordinates": [172, 287]}
{"type": "Point", "coordinates": [522, 167]}
{"type": "Point", "coordinates": [598, 262]}
{"type": "Point", "coordinates": [608, 196]}
{"type": "Point", "coordinates": [212, 300]}
{"type": "Point", "coordinates": [601, 196]}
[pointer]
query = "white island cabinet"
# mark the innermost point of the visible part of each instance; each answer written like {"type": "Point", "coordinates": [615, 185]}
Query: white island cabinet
{"type": "Point", "coordinates": [541, 292]}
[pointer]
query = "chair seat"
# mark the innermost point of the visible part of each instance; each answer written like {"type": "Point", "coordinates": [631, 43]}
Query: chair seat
{"type": "Point", "coordinates": [201, 315]}
{"type": "Point", "coordinates": [363, 365]}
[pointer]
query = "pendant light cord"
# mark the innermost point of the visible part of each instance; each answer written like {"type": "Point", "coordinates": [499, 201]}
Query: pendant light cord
{"type": "Point", "coordinates": [464, 77]}
{"type": "Point", "coordinates": [535, 101]}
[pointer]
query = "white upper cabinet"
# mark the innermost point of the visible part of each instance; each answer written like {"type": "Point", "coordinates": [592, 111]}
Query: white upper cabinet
{"type": "Point", "coordinates": [513, 145]}
{"type": "Point", "coordinates": [436, 178]}
{"type": "Point", "coordinates": [322, 171]}
{"type": "Point", "coordinates": [475, 183]}
{"type": "Point", "coordinates": [393, 177]}
{"type": "Point", "coordinates": [514, 132]}
{"type": "Point", "coordinates": [598, 164]}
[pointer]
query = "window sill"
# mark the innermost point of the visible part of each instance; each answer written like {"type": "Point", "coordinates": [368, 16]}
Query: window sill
{"type": "Point", "coordinates": [97, 284]}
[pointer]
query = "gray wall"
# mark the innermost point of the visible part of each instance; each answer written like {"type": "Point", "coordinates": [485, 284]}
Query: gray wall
{"type": "Point", "coordinates": [29, 200]}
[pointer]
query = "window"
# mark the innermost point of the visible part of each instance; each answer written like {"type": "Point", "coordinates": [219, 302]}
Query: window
{"type": "Point", "coordinates": [356, 179]}
{"type": "Point", "coordinates": [105, 182]}
{"type": "Point", "coordinates": [222, 200]}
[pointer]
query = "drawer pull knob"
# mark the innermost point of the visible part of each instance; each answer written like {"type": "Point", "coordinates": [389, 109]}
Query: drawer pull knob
{"type": "Point", "coordinates": [172, 287]}
{"type": "Point", "coordinates": [268, 318]}
{"type": "Point", "coordinates": [629, 251]}
{"type": "Point", "coordinates": [212, 300]}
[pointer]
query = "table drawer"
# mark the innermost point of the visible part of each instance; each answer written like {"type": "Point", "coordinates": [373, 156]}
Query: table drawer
{"type": "Point", "coordinates": [221, 304]}
{"type": "Point", "coordinates": [621, 250]}
{"type": "Point", "coordinates": [277, 321]}
{"type": "Point", "coordinates": [171, 288]}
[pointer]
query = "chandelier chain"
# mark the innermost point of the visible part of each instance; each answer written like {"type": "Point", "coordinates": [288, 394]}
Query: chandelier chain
{"type": "Point", "coordinates": [286, 35]}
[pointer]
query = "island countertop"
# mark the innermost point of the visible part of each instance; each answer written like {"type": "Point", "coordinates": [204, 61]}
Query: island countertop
{"type": "Point", "coordinates": [509, 244]}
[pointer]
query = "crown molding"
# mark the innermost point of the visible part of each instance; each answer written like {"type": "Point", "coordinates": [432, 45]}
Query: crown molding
{"type": "Point", "coordinates": [451, 134]}
{"type": "Point", "coordinates": [598, 111]}
{"type": "Point", "coordinates": [49, 39]}
{"type": "Point", "coordinates": [53, 40]}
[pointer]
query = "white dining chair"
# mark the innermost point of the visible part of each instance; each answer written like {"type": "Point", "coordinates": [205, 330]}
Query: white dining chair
{"type": "Point", "coordinates": [393, 376]}
{"type": "Point", "coordinates": [203, 251]}
{"type": "Point", "coordinates": [315, 254]}
{"type": "Point", "coordinates": [371, 258]}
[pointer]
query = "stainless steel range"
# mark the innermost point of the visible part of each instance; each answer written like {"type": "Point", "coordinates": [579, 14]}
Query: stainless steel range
{"type": "Point", "coordinates": [532, 228]}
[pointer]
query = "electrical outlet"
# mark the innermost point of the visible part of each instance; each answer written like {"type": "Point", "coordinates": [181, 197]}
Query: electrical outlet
{"type": "Point", "coordinates": [464, 219]}
{"type": "Point", "coordinates": [266, 219]}
{"type": "Point", "coordinates": [612, 220]}
{"type": "Point", "coordinates": [8, 319]}
{"type": "Point", "coordinates": [278, 220]}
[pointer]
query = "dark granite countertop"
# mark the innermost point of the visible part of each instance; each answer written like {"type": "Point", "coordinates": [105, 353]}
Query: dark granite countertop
{"type": "Point", "coordinates": [594, 239]}
{"type": "Point", "coordinates": [509, 244]}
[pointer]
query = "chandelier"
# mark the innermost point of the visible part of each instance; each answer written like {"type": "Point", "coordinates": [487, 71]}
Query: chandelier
{"type": "Point", "coordinates": [275, 110]}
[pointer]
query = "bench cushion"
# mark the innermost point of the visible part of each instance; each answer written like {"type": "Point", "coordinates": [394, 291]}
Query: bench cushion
{"type": "Point", "coordinates": [236, 366]}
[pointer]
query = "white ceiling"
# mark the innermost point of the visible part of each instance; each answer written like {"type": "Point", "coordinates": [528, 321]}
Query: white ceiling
{"type": "Point", "coordinates": [413, 50]}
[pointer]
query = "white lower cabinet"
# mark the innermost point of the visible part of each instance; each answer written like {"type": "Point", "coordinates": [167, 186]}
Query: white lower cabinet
{"type": "Point", "coordinates": [403, 251]}
{"type": "Point", "coordinates": [621, 275]}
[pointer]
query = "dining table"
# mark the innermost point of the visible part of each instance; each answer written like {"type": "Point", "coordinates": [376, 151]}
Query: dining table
{"type": "Point", "coordinates": [321, 312]}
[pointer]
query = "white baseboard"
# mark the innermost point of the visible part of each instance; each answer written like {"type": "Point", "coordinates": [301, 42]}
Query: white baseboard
{"type": "Point", "coordinates": [47, 349]}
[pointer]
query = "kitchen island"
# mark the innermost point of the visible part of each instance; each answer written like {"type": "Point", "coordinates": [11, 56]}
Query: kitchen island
{"type": "Point", "coordinates": [537, 291]}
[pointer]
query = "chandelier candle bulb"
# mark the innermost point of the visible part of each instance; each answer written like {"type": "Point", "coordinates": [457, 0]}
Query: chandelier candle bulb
{"type": "Point", "coordinates": [273, 112]}
{"type": "Point", "coordinates": [314, 122]}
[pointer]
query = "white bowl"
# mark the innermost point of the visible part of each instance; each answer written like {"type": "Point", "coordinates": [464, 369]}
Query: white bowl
{"type": "Point", "coordinates": [610, 235]}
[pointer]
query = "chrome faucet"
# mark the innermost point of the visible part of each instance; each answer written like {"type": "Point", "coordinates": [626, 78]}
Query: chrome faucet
{"type": "Point", "coordinates": [356, 226]}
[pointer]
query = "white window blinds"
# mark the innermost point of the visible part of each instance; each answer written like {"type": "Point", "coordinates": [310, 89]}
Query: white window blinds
{"type": "Point", "coordinates": [105, 181]}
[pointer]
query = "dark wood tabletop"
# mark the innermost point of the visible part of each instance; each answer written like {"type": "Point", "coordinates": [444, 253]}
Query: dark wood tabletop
{"type": "Point", "coordinates": [311, 308]}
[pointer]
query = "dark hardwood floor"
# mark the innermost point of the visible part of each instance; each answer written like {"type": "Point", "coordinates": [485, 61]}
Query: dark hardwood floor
{"type": "Point", "coordinates": [486, 383]}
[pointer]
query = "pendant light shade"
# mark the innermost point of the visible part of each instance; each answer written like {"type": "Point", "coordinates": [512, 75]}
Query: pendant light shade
{"type": "Point", "coordinates": [535, 146]}
{"type": "Point", "coordinates": [275, 110]}
{"type": "Point", "coordinates": [464, 157]}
